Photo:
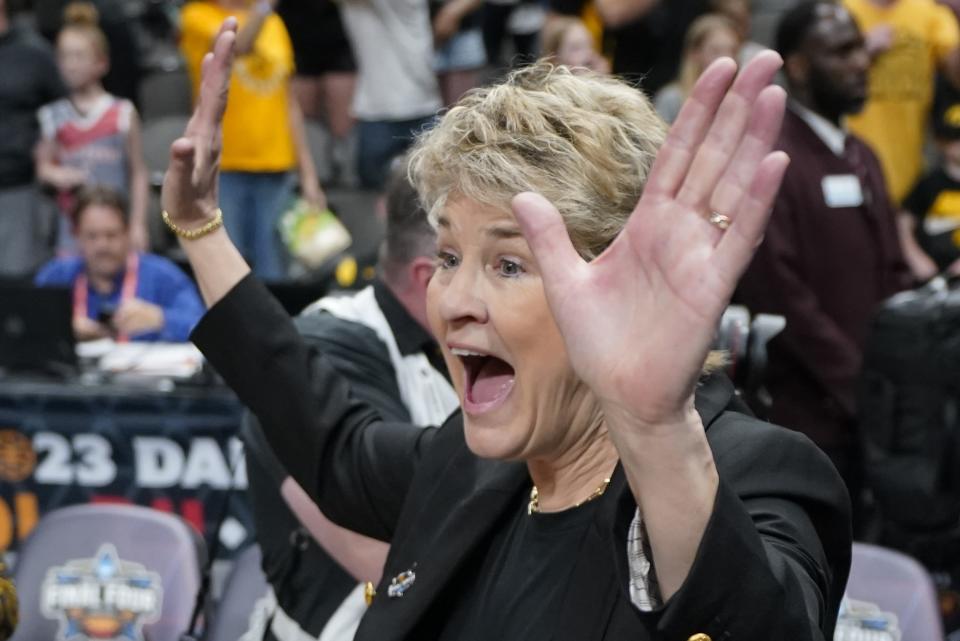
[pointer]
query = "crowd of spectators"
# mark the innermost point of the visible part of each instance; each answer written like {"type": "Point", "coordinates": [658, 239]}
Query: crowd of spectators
{"type": "Point", "coordinates": [374, 73]}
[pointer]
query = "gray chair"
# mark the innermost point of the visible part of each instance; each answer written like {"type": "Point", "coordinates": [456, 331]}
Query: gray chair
{"type": "Point", "coordinates": [104, 571]}
{"type": "Point", "coordinates": [245, 585]}
{"type": "Point", "coordinates": [899, 584]}
{"type": "Point", "coordinates": [158, 135]}
{"type": "Point", "coordinates": [165, 93]}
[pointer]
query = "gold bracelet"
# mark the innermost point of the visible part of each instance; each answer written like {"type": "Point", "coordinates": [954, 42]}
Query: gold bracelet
{"type": "Point", "coordinates": [193, 234]}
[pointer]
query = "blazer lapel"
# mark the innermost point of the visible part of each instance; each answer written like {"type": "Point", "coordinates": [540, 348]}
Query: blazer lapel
{"type": "Point", "coordinates": [714, 395]}
{"type": "Point", "coordinates": [445, 540]}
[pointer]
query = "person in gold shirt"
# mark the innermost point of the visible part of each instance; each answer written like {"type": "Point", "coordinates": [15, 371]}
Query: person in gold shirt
{"type": "Point", "coordinates": [264, 139]}
{"type": "Point", "coordinates": [908, 41]}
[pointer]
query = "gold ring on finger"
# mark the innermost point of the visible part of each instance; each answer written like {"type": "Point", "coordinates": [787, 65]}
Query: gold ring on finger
{"type": "Point", "coordinates": [720, 221]}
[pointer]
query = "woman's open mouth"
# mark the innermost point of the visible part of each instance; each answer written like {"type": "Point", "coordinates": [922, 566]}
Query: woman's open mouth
{"type": "Point", "coordinates": [488, 381]}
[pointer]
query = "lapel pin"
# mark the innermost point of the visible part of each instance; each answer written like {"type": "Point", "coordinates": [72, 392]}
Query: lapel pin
{"type": "Point", "coordinates": [400, 583]}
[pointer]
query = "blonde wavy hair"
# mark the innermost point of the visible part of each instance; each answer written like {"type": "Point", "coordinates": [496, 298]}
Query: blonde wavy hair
{"type": "Point", "coordinates": [585, 142]}
{"type": "Point", "coordinates": [698, 33]}
{"type": "Point", "coordinates": [554, 31]}
{"type": "Point", "coordinates": [83, 18]}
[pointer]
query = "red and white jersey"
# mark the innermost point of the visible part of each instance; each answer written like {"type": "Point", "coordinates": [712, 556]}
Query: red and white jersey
{"type": "Point", "coordinates": [95, 142]}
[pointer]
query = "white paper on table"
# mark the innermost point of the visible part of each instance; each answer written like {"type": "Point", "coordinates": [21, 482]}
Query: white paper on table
{"type": "Point", "coordinates": [92, 350]}
{"type": "Point", "coordinates": [176, 360]}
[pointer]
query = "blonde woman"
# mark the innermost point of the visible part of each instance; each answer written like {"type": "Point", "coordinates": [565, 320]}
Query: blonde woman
{"type": "Point", "coordinates": [710, 37]}
{"type": "Point", "coordinates": [567, 41]}
{"type": "Point", "coordinates": [595, 483]}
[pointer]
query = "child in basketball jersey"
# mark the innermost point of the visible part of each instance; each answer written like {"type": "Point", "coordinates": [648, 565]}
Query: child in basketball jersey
{"type": "Point", "coordinates": [91, 138]}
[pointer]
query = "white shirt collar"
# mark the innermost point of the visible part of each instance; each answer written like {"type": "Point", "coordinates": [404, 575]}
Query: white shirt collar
{"type": "Point", "coordinates": [832, 136]}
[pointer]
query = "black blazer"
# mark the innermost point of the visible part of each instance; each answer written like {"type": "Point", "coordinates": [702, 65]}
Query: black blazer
{"type": "Point", "coordinates": [772, 564]}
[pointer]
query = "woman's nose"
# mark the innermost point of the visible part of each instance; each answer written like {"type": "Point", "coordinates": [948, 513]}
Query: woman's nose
{"type": "Point", "coordinates": [461, 300]}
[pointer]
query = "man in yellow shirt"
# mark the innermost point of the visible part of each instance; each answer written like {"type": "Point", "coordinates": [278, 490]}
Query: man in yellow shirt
{"type": "Point", "coordinates": [263, 132]}
{"type": "Point", "coordinates": [908, 41]}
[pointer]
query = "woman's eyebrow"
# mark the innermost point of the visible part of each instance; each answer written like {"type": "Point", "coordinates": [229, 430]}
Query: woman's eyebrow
{"type": "Point", "coordinates": [503, 232]}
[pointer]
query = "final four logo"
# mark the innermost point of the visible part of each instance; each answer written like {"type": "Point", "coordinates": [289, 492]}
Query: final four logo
{"type": "Point", "coordinates": [101, 598]}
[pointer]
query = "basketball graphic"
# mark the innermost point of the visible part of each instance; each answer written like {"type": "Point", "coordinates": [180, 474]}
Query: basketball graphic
{"type": "Point", "coordinates": [17, 458]}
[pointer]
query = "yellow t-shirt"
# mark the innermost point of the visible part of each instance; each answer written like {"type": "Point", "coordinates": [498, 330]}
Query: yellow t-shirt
{"type": "Point", "coordinates": [594, 23]}
{"type": "Point", "coordinates": [894, 120]}
{"type": "Point", "coordinates": [256, 126]}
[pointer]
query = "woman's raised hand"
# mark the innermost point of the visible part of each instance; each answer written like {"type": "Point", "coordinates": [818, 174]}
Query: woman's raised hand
{"type": "Point", "coordinates": [190, 185]}
{"type": "Point", "coordinates": [639, 320]}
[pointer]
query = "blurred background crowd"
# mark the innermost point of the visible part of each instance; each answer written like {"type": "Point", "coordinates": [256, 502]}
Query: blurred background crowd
{"type": "Point", "coordinates": [326, 95]}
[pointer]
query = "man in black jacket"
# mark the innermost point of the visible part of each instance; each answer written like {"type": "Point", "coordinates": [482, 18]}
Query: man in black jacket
{"type": "Point", "coordinates": [378, 341]}
{"type": "Point", "coordinates": [30, 80]}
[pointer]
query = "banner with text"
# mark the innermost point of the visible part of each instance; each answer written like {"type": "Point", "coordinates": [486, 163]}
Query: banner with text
{"type": "Point", "coordinates": [176, 453]}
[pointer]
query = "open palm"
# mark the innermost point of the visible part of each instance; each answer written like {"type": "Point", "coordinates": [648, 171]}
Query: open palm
{"type": "Point", "coordinates": [639, 320]}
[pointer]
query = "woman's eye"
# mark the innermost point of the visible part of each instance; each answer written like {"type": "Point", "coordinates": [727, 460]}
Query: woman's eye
{"type": "Point", "coordinates": [446, 260]}
{"type": "Point", "coordinates": [509, 268]}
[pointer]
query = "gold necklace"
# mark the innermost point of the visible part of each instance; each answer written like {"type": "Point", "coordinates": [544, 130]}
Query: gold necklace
{"type": "Point", "coordinates": [534, 506]}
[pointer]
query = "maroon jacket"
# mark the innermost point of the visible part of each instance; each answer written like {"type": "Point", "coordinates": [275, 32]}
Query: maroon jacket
{"type": "Point", "coordinates": [825, 269]}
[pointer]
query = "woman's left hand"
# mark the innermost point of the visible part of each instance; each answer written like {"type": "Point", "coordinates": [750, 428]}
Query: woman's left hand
{"type": "Point", "coordinates": [639, 320]}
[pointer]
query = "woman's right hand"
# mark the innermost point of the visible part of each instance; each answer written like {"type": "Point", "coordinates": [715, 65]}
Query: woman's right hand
{"type": "Point", "coordinates": [190, 184]}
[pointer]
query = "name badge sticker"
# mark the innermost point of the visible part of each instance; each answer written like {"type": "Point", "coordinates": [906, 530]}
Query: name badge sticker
{"type": "Point", "coordinates": [842, 190]}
